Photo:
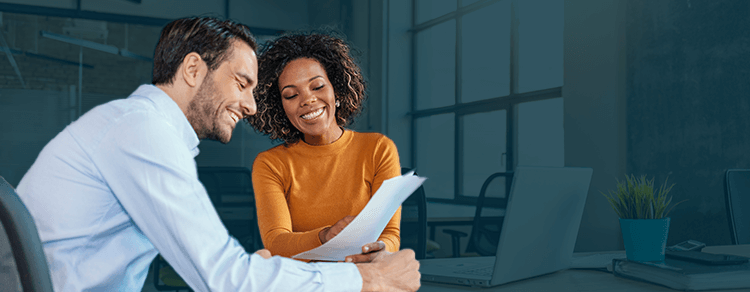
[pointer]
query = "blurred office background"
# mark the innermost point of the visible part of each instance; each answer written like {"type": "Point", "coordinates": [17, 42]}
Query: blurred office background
{"type": "Point", "coordinates": [466, 88]}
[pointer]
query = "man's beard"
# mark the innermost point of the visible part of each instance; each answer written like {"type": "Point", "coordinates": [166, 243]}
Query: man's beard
{"type": "Point", "coordinates": [202, 112]}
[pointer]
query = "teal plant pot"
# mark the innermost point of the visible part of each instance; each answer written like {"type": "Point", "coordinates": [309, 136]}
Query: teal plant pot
{"type": "Point", "coordinates": [645, 239]}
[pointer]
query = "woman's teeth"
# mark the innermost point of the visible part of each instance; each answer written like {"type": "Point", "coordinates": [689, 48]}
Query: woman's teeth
{"type": "Point", "coordinates": [313, 115]}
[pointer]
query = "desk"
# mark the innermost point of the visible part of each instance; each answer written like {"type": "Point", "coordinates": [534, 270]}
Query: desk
{"type": "Point", "coordinates": [584, 280]}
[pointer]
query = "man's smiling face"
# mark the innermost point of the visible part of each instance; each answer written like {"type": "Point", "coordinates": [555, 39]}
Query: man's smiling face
{"type": "Point", "coordinates": [225, 96]}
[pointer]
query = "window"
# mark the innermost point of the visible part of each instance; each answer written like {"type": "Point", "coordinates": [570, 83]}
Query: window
{"type": "Point", "coordinates": [487, 92]}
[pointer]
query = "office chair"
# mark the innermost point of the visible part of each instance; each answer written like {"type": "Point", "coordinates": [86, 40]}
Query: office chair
{"type": "Point", "coordinates": [23, 236]}
{"type": "Point", "coordinates": [231, 192]}
{"type": "Point", "coordinates": [737, 198]}
{"type": "Point", "coordinates": [485, 231]}
{"type": "Point", "coordinates": [414, 229]}
{"type": "Point", "coordinates": [165, 277]}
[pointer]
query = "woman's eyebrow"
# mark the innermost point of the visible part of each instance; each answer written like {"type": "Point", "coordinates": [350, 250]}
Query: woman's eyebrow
{"type": "Point", "coordinates": [292, 85]}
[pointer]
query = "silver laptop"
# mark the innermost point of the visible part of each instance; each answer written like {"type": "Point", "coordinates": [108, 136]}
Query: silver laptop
{"type": "Point", "coordinates": [538, 235]}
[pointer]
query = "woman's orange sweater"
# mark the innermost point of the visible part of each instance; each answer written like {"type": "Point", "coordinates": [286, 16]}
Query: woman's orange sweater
{"type": "Point", "coordinates": [301, 189]}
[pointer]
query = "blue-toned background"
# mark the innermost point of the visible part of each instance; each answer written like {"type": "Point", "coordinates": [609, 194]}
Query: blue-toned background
{"type": "Point", "coordinates": [465, 89]}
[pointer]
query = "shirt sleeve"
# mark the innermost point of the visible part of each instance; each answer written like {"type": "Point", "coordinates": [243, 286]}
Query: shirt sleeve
{"type": "Point", "coordinates": [153, 175]}
{"type": "Point", "coordinates": [274, 219]}
{"type": "Point", "coordinates": [387, 165]}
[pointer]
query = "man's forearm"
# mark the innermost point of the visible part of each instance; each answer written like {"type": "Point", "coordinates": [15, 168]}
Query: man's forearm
{"type": "Point", "coordinates": [370, 277]}
{"type": "Point", "coordinates": [391, 272]}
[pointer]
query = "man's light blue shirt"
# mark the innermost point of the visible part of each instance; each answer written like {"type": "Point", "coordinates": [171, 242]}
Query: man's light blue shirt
{"type": "Point", "coordinates": [120, 185]}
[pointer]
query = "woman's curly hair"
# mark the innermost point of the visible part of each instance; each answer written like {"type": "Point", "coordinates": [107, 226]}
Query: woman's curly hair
{"type": "Point", "coordinates": [332, 53]}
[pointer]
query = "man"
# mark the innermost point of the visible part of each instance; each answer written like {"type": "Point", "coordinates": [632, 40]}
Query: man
{"type": "Point", "coordinates": [120, 184]}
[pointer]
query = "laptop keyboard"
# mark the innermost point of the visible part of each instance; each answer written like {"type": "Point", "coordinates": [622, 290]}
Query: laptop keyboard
{"type": "Point", "coordinates": [486, 271]}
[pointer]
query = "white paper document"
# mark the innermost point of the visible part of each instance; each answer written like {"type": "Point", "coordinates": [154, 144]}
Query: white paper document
{"type": "Point", "coordinates": [367, 226]}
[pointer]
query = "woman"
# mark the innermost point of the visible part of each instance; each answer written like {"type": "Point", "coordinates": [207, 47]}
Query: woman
{"type": "Point", "coordinates": [312, 186]}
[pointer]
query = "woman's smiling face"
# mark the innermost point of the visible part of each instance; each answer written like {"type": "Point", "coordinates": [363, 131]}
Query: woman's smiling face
{"type": "Point", "coordinates": [309, 101]}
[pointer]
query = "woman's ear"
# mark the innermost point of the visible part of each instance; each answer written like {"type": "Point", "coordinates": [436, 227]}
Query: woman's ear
{"type": "Point", "coordinates": [193, 69]}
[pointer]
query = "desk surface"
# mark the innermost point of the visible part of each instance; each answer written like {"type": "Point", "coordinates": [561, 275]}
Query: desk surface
{"type": "Point", "coordinates": [584, 280]}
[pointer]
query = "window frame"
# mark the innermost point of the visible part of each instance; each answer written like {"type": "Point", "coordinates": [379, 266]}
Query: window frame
{"type": "Point", "coordinates": [509, 102]}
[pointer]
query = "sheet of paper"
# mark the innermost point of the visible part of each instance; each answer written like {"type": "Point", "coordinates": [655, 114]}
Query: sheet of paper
{"type": "Point", "coordinates": [368, 225]}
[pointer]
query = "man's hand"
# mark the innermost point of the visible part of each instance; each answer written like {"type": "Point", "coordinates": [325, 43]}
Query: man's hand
{"type": "Point", "coordinates": [329, 233]}
{"type": "Point", "coordinates": [391, 272]}
{"type": "Point", "coordinates": [264, 253]}
{"type": "Point", "coordinates": [369, 253]}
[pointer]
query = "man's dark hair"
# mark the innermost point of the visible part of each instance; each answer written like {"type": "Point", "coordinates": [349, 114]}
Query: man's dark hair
{"type": "Point", "coordinates": [210, 37]}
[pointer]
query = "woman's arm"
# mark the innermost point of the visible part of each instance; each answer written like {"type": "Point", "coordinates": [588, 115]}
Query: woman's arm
{"type": "Point", "coordinates": [274, 219]}
{"type": "Point", "coordinates": [387, 165]}
{"type": "Point", "coordinates": [392, 233]}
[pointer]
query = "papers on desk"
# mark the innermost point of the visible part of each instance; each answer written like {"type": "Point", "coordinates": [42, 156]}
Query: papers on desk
{"type": "Point", "coordinates": [369, 224]}
{"type": "Point", "coordinates": [682, 275]}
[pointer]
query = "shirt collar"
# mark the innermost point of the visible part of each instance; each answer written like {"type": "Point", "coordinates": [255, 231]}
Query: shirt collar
{"type": "Point", "coordinates": [173, 113]}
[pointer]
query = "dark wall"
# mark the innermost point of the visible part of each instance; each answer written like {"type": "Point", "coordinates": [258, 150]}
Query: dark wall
{"type": "Point", "coordinates": [688, 104]}
{"type": "Point", "coordinates": [48, 64]}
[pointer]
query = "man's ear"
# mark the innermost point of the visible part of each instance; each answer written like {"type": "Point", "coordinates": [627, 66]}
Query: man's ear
{"type": "Point", "coordinates": [193, 69]}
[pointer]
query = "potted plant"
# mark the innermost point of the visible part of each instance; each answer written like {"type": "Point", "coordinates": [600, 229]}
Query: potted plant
{"type": "Point", "coordinates": [643, 214]}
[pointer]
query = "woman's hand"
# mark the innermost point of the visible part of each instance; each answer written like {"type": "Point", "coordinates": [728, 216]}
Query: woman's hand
{"type": "Point", "coordinates": [264, 253]}
{"type": "Point", "coordinates": [328, 233]}
{"type": "Point", "coordinates": [369, 252]}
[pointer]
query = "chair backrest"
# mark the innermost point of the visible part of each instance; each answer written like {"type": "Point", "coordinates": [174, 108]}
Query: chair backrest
{"type": "Point", "coordinates": [414, 221]}
{"type": "Point", "coordinates": [485, 231]}
{"type": "Point", "coordinates": [227, 184]}
{"type": "Point", "coordinates": [24, 241]}
{"type": "Point", "coordinates": [231, 193]}
{"type": "Point", "coordinates": [737, 197]}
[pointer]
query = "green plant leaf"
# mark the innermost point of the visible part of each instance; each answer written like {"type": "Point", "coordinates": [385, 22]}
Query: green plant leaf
{"type": "Point", "coordinates": [637, 198]}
